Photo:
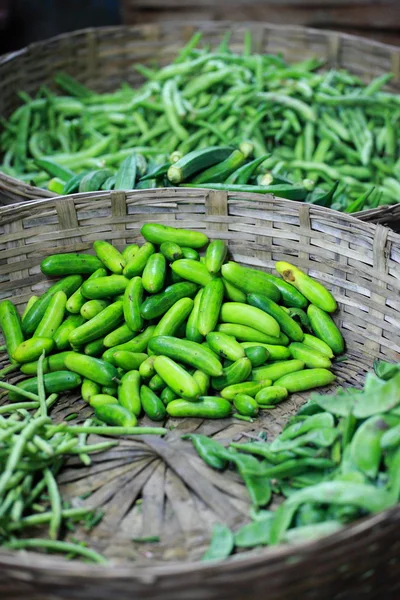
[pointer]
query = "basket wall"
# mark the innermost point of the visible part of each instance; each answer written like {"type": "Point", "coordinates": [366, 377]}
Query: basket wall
{"type": "Point", "coordinates": [102, 58]}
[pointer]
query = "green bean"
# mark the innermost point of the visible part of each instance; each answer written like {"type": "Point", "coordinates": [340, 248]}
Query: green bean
{"type": "Point", "coordinates": [15, 406]}
{"type": "Point", "coordinates": [72, 86]}
{"type": "Point", "coordinates": [291, 116]}
{"type": "Point", "coordinates": [298, 106]}
{"type": "Point", "coordinates": [109, 430]}
{"type": "Point", "coordinates": [85, 458]}
{"type": "Point", "coordinates": [283, 130]}
{"type": "Point", "coordinates": [18, 449]}
{"type": "Point", "coordinates": [55, 502]}
{"type": "Point", "coordinates": [7, 433]}
{"type": "Point", "coordinates": [8, 369]}
{"type": "Point", "coordinates": [181, 68]}
{"type": "Point", "coordinates": [356, 100]}
{"type": "Point", "coordinates": [299, 149]}
{"type": "Point", "coordinates": [169, 89]}
{"type": "Point", "coordinates": [45, 517]}
{"type": "Point", "coordinates": [16, 479]}
{"type": "Point", "coordinates": [40, 385]}
{"type": "Point", "coordinates": [17, 508]}
{"type": "Point", "coordinates": [93, 448]}
{"type": "Point", "coordinates": [56, 546]}
{"type": "Point", "coordinates": [8, 501]}
{"type": "Point", "coordinates": [49, 403]}
{"type": "Point", "coordinates": [185, 52]}
{"type": "Point", "coordinates": [66, 446]}
{"type": "Point", "coordinates": [13, 388]}
{"type": "Point", "coordinates": [320, 167]}
{"type": "Point", "coordinates": [309, 140]}
{"type": "Point", "coordinates": [336, 126]}
{"type": "Point", "coordinates": [387, 169]}
{"type": "Point", "coordinates": [42, 445]}
{"type": "Point", "coordinates": [22, 137]}
{"type": "Point", "coordinates": [204, 82]}
{"type": "Point", "coordinates": [376, 84]}
{"type": "Point", "coordinates": [37, 490]}
{"type": "Point", "coordinates": [228, 124]}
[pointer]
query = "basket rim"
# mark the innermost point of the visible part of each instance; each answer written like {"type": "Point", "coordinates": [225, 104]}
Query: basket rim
{"type": "Point", "coordinates": [31, 190]}
{"type": "Point", "coordinates": [197, 24]}
{"type": "Point", "coordinates": [267, 198]}
{"type": "Point", "coordinates": [113, 571]}
{"type": "Point", "coordinates": [272, 557]}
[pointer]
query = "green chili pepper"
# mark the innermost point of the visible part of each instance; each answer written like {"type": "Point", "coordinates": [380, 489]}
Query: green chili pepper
{"type": "Point", "coordinates": [385, 370]}
{"type": "Point", "coordinates": [264, 450]}
{"type": "Point", "coordinates": [322, 437]}
{"type": "Point", "coordinates": [318, 421]}
{"type": "Point", "coordinates": [364, 496]}
{"type": "Point", "coordinates": [221, 545]}
{"type": "Point", "coordinates": [209, 450]}
{"type": "Point", "coordinates": [254, 534]}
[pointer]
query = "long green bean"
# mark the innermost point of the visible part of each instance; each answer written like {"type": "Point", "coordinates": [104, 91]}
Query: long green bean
{"type": "Point", "coordinates": [40, 383]}
{"type": "Point", "coordinates": [56, 546]}
{"type": "Point", "coordinates": [55, 502]}
{"type": "Point", "coordinates": [18, 449]}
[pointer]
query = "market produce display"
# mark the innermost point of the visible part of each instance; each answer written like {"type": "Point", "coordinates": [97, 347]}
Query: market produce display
{"type": "Point", "coordinates": [174, 328]}
{"type": "Point", "coordinates": [246, 122]}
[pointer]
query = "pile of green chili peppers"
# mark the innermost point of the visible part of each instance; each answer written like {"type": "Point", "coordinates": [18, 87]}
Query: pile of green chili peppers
{"type": "Point", "coordinates": [336, 460]}
{"type": "Point", "coordinates": [325, 127]}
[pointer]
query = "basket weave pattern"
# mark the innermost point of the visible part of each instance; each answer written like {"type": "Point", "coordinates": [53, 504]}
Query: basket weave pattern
{"type": "Point", "coordinates": [181, 497]}
{"type": "Point", "coordinates": [102, 58]}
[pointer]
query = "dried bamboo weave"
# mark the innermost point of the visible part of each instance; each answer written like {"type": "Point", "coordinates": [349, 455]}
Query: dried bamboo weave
{"type": "Point", "coordinates": [103, 57]}
{"type": "Point", "coordinates": [180, 497]}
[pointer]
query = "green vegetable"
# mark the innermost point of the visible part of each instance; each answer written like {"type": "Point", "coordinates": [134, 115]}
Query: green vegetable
{"type": "Point", "coordinates": [221, 544]}
{"type": "Point", "coordinates": [208, 450]}
{"type": "Point", "coordinates": [254, 534]}
{"type": "Point", "coordinates": [93, 180]}
{"type": "Point", "coordinates": [32, 318]}
{"type": "Point", "coordinates": [304, 126]}
{"type": "Point", "coordinates": [366, 497]}
{"type": "Point", "coordinates": [126, 174]}
{"type": "Point", "coordinates": [10, 325]}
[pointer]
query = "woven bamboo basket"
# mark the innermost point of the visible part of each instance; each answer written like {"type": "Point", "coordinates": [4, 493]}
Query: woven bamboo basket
{"type": "Point", "coordinates": [180, 497]}
{"type": "Point", "coordinates": [102, 58]}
